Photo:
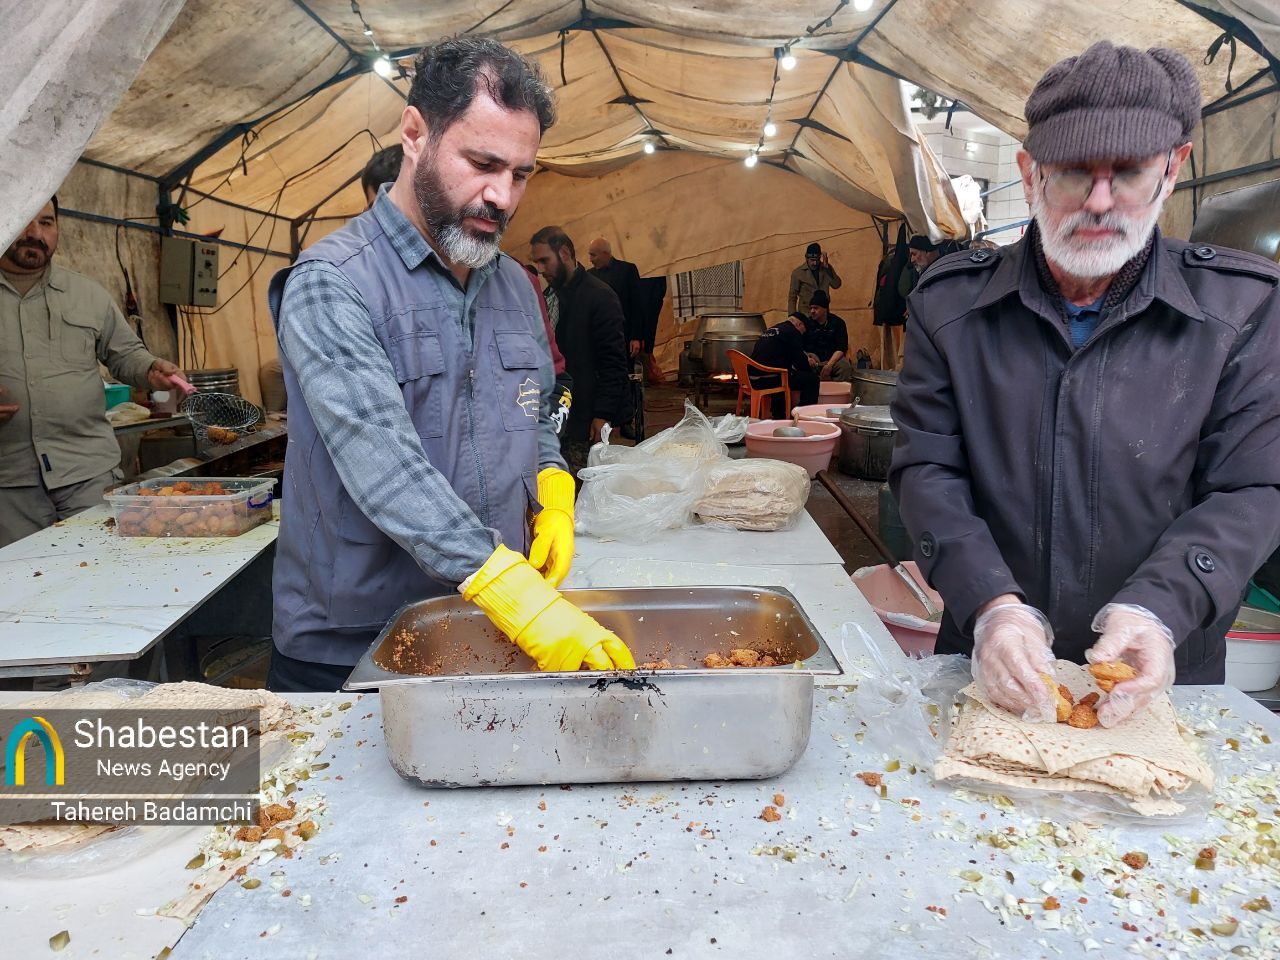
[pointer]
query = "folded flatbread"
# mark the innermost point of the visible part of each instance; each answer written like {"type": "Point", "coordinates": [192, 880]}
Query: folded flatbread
{"type": "Point", "coordinates": [1144, 762]}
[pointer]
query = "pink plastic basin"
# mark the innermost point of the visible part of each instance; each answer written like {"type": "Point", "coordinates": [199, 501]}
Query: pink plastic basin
{"type": "Point", "coordinates": [900, 612]}
{"type": "Point", "coordinates": [812, 451]}
{"type": "Point", "coordinates": [818, 411]}
{"type": "Point", "coordinates": [834, 391]}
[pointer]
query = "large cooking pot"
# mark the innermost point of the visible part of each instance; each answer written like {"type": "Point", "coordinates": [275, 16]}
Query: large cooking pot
{"type": "Point", "coordinates": [867, 434]}
{"type": "Point", "coordinates": [718, 333]}
{"type": "Point", "coordinates": [875, 388]}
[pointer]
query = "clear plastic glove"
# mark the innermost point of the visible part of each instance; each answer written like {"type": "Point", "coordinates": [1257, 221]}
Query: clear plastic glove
{"type": "Point", "coordinates": [546, 626]}
{"type": "Point", "coordinates": [1136, 636]}
{"type": "Point", "coordinates": [1012, 646]}
{"type": "Point", "coordinates": [552, 550]}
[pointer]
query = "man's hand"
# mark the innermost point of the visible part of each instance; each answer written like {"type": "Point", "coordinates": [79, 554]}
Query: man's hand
{"type": "Point", "coordinates": [161, 376]}
{"type": "Point", "coordinates": [826, 260]}
{"type": "Point", "coordinates": [546, 626]}
{"type": "Point", "coordinates": [597, 425]}
{"type": "Point", "coordinates": [1012, 646]}
{"type": "Point", "coordinates": [7, 409]}
{"type": "Point", "coordinates": [813, 360]}
{"type": "Point", "coordinates": [634, 347]}
{"type": "Point", "coordinates": [551, 552]}
{"type": "Point", "coordinates": [826, 371]}
{"type": "Point", "coordinates": [1136, 636]}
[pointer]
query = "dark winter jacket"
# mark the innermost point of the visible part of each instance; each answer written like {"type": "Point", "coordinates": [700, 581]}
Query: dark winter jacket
{"type": "Point", "coordinates": [589, 333]}
{"type": "Point", "coordinates": [1142, 468]}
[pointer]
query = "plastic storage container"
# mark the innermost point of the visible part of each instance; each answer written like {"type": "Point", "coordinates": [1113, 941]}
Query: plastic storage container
{"type": "Point", "coordinates": [116, 393]}
{"type": "Point", "coordinates": [191, 507]}
{"type": "Point", "coordinates": [1253, 650]}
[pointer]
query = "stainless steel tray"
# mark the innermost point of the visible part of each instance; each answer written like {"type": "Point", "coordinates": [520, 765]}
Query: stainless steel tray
{"type": "Point", "coordinates": [463, 706]}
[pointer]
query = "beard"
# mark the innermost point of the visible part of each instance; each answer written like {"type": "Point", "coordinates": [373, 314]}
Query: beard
{"type": "Point", "coordinates": [445, 222]}
{"type": "Point", "coordinates": [1086, 259]}
{"type": "Point", "coordinates": [28, 254]}
{"type": "Point", "coordinates": [559, 275]}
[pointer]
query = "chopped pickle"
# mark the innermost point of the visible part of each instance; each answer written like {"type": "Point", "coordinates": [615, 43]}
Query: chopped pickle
{"type": "Point", "coordinates": [1227, 928]}
{"type": "Point", "coordinates": [59, 940]}
{"type": "Point", "coordinates": [253, 883]}
{"type": "Point", "coordinates": [884, 791]}
{"type": "Point", "coordinates": [1076, 875]}
{"type": "Point", "coordinates": [1195, 895]}
{"type": "Point", "coordinates": [1008, 875]}
{"type": "Point", "coordinates": [1253, 906]}
{"type": "Point", "coordinates": [1233, 743]}
{"type": "Point", "coordinates": [1265, 738]}
{"type": "Point", "coordinates": [1204, 863]}
{"type": "Point", "coordinates": [1045, 829]}
{"type": "Point", "coordinates": [345, 705]}
{"type": "Point", "coordinates": [196, 862]}
{"type": "Point", "coordinates": [1263, 826]}
{"type": "Point", "coordinates": [973, 876]}
{"type": "Point", "coordinates": [893, 766]}
{"type": "Point", "coordinates": [320, 766]}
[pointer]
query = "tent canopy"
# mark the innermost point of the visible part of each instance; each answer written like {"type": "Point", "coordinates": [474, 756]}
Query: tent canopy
{"type": "Point", "coordinates": [256, 116]}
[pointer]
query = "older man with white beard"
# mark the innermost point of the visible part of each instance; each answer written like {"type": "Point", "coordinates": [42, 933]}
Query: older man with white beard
{"type": "Point", "coordinates": [419, 379]}
{"type": "Point", "coordinates": [1089, 420]}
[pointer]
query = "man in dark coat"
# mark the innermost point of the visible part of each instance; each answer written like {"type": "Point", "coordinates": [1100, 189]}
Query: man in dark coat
{"type": "Point", "coordinates": [623, 278]}
{"type": "Point", "coordinates": [783, 346]}
{"type": "Point", "coordinates": [589, 323]}
{"type": "Point", "coordinates": [1088, 420]}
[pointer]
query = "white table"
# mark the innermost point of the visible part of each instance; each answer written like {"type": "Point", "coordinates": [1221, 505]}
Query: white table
{"type": "Point", "coordinates": [625, 870]}
{"type": "Point", "coordinates": [76, 593]}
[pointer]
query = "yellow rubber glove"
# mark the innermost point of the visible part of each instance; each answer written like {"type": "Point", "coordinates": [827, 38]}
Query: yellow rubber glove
{"type": "Point", "coordinates": [546, 626]}
{"type": "Point", "coordinates": [552, 550]}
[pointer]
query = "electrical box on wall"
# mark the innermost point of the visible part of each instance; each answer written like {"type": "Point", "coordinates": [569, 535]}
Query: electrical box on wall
{"type": "Point", "coordinates": [188, 272]}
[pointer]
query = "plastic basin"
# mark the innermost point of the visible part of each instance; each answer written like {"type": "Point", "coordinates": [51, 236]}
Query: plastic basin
{"type": "Point", "coordinates": [818, 411]}
{"type": "Point", "coordinates": [897, 609]}
{"type": "Point", "coordinates": [834, 391]}
{"type": "Point", "coordinates": [812, 451]}
{"type": "Point", "coordinates": [1253, 650]}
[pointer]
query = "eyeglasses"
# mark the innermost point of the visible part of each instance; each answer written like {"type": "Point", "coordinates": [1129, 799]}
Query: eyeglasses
{"type": "Point", "coordinates": [1134, 187]}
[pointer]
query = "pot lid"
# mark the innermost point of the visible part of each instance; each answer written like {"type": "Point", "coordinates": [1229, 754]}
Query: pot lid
{"type": "Point", "coordinates": [868, 416]}
{"type": "Point", "coordinates": [889, 377]}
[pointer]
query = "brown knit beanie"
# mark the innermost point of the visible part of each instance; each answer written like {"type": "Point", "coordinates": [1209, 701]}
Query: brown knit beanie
{"type": "Point", "coordinates": [1112, 102]}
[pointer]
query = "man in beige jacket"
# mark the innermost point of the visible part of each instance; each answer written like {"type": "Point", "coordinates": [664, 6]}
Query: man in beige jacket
{"type": "Point", "coordinates": [57, 450]}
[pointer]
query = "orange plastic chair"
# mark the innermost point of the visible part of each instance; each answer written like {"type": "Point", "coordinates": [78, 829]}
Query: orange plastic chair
{"type": "Point", "coordinates": [742, 365]}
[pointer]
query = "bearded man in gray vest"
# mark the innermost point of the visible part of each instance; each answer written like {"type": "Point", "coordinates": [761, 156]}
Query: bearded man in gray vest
{"type": "Point", "coordinates": [419, 382]}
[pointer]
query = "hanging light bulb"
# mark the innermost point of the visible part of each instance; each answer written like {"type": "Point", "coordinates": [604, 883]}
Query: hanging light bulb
{"type": "Point", "coordinates": [649, 147]}
{"type": "Point", "coordinates": [862, 6]}
{"type": "Point", "coordinates": [383, 68]}
{"type": "Point", "coordinates": [751, 159]}
{"type": "Point", "coordinates": [770, 129]}
{"type": "Point", "coordinates": [788, 60]}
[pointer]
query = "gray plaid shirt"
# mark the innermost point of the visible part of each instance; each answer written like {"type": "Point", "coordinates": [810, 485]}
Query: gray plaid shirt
{"type": "Point", "coordinates": [351, 392]}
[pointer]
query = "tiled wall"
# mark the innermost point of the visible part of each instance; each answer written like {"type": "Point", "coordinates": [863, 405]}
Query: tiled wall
{"type": "Point", "coordinates": [989, 156]}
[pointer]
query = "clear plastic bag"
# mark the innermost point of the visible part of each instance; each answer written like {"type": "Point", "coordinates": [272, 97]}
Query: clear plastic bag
{"type": "Point", "coordinates": [730, 428]}
{"type": "Point", "coordinates": [909, 707]}
{"type": "Point", "coordinates": [692, 440]}
{"type": "Point", "coordinates": [637, 501]}
{"type": "Point", "coordinates": [753, 494]}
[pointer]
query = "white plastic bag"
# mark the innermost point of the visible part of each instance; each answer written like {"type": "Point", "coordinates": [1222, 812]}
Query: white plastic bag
{"type": "Point", "coordinates": [692, 439]}
{"type": "Point", "coordinates": [637, 501]}
{"type": "Point", "coordinates": [730, 428]}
